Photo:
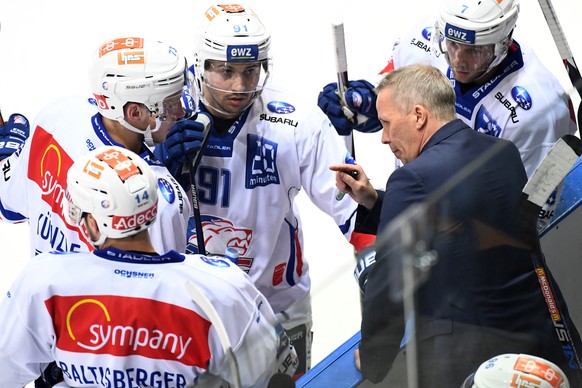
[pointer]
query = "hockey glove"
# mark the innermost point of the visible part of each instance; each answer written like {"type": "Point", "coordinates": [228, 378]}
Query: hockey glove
{"type": "Point", "coordinates": [181, 145]}
{"type": "Point", "coordinates": [360, 99]}
{"type": "Point", "coordinates": [366, 261]}
{"type": "Point", "coordinates": [13, 134]}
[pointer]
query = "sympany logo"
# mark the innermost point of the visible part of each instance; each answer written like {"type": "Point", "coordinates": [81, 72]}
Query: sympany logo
{"type": "Point", "coordinates": [48, 168]}
{"type": "Point", "coordinates": [123, 326]}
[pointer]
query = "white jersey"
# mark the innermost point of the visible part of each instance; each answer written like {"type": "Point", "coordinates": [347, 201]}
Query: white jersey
{"type": "Point", "coordinates": [525, 103]}
{"type": "Point", "coordinates": [248, 179]}
{"type": "Point", "coordinates": [33, 182]}
{"type": "Point", "coordinates": [113, 318]}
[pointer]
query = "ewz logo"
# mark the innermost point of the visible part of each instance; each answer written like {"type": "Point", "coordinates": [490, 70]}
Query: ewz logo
{"type": "Point", "coordinates": [459, 34]}
{"type": "Point", "coordinates": [261, 166]}
{"type": "Point", "coordinates": [242, 53]}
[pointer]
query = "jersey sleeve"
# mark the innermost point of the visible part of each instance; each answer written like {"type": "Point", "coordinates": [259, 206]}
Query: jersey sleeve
{"type": "Point", "coordinates": [318, 149]}
{"type": "Point", "coordinates": [249, 322]}
{"type": "Point", "coordinates": [169, 231]}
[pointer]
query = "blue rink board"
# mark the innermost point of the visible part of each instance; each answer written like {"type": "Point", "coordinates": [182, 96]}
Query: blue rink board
{"type": "Point", "coordinates": [337, 370]}
{"type": "Point", "coordinates": [571, 195]}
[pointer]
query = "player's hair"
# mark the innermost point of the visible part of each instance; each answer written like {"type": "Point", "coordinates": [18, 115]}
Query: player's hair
{"type": "Point", "coordinates": [424, 85]}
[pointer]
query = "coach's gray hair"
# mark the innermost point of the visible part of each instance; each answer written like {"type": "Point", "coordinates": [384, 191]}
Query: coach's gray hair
{"type": "Point", "coordinates": [423, 85]}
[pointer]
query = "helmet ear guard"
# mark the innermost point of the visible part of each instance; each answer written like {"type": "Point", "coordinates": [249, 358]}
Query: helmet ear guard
{"type": "Point", "coordinates": [115, 186]}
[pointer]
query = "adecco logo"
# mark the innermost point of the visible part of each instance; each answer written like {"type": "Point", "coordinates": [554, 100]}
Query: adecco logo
{"type": "Point", "coordinates": [122, 326]}
{"type": "Point", "coordinates": [132, 222]}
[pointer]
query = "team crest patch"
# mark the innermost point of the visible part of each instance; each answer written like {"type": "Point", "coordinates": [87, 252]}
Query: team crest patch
{"type": "Point", "coordinates": [220, 233]}
{"type": "Point", "coordinates": [261, 166]}
{"type": "Point", "coordinates": [485, 123]}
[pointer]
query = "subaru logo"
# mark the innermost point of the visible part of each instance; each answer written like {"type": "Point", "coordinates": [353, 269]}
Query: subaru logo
{"type": "Point", "coordinates": [522, 97]}
{"type": "Point", "coordinates": [166, 190]}
{"type": "Point", "coordinates": [427, 33]}
{"type": "Point", "coordinates": [280, 107]}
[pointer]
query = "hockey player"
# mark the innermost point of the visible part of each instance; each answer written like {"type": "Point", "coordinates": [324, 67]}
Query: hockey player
{"type": "Point", "coordinates": [121, 315]}
{"type": "Point", "coordinates": [264, 147]}
{"type": "Point", "coordinates": [517, 370]}
{"type": "Point", "coordinates": [502, 88]}
{"type": "Point", "coordinates": [137, 86]}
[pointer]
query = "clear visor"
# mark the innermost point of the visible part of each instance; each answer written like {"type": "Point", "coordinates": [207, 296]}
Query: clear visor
{"type": "Point", "coordinates": [243, 77]}
{"type": "Point", "coordinates": [469, 58]}
{"type": "Point", "coordinates": [180, 105]}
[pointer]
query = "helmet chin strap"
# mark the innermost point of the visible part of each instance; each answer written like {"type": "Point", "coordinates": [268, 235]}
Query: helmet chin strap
{"type": "Point", "coordinates": [147, 133]}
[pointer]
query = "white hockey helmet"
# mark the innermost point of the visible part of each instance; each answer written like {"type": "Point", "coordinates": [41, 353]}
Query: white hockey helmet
{"type": "Point", "coordinates": [517, 370]}
{"type": "Point", "coordinates": [117, 187]}
{"type": "Point", "coordinates": [477, 22]}
{"type": "Point", "coordinates": [233, 34]}
{"type": "Point", "coordinates": [140, 70]}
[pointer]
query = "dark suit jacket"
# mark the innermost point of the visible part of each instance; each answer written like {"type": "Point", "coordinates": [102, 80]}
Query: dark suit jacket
{"type": "Point", "coordinates": [482, 297]}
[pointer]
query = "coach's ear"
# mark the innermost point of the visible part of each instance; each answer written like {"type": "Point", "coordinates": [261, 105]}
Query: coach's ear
{"type": "Point", "coordinates": [421, 114]}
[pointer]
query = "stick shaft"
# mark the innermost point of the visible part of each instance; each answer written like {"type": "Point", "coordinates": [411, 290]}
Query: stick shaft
{"type": "Point", "coordinates": [341, 62]}
{"type": "Point", "coordinates": [561, 43]}
{"type": "Point", "coordinates": [194, 188]}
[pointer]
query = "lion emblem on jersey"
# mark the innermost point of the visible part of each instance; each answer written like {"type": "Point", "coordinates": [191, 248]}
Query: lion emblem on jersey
{"type": "Point", "coordinates": [220, 233]}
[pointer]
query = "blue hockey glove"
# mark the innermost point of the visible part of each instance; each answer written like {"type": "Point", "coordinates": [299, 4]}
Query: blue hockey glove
{"type": "Point", "coordinates": [366, 261]}
{"type": "Point", "coordinates": [361, 101]}
{"type": "Point", "coordinates": [182, 143]}
{"type": "Point", "coordinates": [13, 134]}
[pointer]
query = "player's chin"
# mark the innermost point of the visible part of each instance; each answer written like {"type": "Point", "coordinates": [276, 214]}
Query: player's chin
{"type": "Point", "coordinates": [237, 106]}
{"type": "Point", "coordinates": [466, 77]}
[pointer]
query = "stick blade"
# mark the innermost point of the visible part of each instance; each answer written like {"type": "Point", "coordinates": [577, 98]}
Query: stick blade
{"type": "Point", "coordinates": [553, 169]}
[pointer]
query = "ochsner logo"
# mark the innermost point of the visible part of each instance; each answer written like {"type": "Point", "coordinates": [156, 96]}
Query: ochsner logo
{"type": "Point", "coordinates": [122, 326]}
{"type": "Point", "coordinates": [132, 222]}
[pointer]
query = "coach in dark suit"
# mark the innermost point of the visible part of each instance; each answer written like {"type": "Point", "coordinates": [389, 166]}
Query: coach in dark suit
{"type": "Point", "coordinates": [482, 297]}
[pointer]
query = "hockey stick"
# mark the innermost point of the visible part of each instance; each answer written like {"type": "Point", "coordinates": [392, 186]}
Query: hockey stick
{"type": "Point", "coordinates": [192, 167]}
{"type": "Point", "coordinates": [547, 176]}
{"type": "Point", "coordinates": [202, 301]}
{"type": "Point", "coordinates": [564, 50]}
{"type": "Point", "coordinates": [341, 65]}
